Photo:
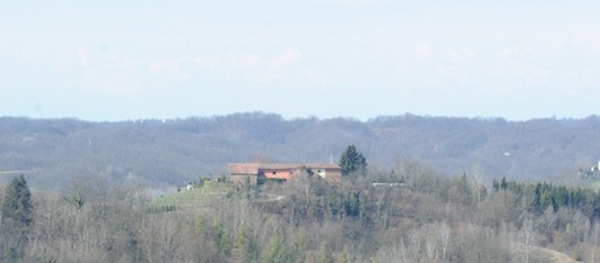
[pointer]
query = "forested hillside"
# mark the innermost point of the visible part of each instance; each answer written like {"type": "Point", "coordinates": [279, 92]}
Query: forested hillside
{"type": "Point", "coordinates": [173, 152]}
{"type": "Point", "coordinates": [433, 218]}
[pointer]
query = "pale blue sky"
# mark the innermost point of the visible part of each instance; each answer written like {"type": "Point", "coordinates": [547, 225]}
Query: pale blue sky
{"type": "Point", "coordinates": [117, 60]}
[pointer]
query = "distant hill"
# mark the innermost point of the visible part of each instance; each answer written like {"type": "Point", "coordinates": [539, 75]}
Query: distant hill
{"type": "Point", "coordinates": [173, 152]}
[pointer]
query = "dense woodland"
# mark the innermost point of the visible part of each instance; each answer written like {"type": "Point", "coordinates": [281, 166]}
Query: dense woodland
{"type": "Point", "coordinates": [161, 153]}
{"type": "Point", "coordinates": [426, 190]}
{"type": "Point", "coordinates": [429, 218]}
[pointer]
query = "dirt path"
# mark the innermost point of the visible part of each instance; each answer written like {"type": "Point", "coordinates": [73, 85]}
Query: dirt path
{"type": "Point", "coordinates": [546, 253]}
{"type": "Point", "coordinates": [557, 256]}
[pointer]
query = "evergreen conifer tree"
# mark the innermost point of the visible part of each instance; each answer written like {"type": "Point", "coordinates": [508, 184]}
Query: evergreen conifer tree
{"type": "Point", "coordinates": [16, 219]}
{"type": "Point", "coordinates": [353, 161]}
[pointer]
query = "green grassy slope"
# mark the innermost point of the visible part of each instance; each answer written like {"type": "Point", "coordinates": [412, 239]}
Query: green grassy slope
{"type": "Point", "coordinates": [200, 196]}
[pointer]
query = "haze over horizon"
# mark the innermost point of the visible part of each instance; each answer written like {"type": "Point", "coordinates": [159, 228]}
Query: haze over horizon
{"type": "Point", "coordinates": [119, 60]}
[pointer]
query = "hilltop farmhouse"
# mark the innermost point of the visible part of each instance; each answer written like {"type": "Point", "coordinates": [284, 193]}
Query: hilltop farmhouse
{"type": "Point", "coordinates": [256, 173]}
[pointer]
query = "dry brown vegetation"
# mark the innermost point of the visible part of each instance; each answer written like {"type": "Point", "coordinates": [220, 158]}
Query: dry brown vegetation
{"type": "Point", "coordinates": [434, 219]}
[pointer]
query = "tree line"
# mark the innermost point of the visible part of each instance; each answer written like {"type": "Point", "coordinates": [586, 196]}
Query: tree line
{"type": "Point", "coordinates": [434, 218]}
{"type": "Point", "coordinates": [175, 151]}
{"type": "Point", "coordinates": [546, 195]}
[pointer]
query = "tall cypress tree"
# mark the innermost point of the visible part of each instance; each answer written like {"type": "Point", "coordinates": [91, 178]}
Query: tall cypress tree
{"type": "Point", "coordinates": [16, 219]}
{"type": "Point", "coordinates": [352, 161]}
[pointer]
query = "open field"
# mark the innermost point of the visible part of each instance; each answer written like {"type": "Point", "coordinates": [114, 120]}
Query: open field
{"type": "Point", "coordinates": [199, 196]}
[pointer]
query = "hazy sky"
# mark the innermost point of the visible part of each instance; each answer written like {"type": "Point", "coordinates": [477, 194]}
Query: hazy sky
{"type": "Point", "coordinates": [124, 59]}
